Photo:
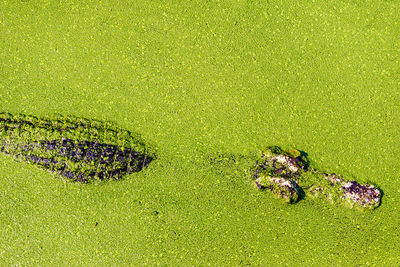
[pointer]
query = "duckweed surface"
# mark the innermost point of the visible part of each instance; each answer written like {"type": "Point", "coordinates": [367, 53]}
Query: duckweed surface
{"type": "Point", "coordinates": [197, 79]}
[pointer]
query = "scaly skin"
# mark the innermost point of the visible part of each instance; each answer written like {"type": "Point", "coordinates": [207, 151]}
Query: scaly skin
{"type": "Point", "coordinates": [287, 173]}
{"type": "Point", "coordinates": [79, 149]}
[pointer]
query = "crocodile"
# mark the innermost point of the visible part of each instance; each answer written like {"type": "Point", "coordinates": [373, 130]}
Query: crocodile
{"type": "Point", "coordinates": [84, 150]}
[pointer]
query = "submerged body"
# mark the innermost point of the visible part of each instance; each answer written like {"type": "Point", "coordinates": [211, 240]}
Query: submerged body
{"type": "Point", "coordinates": [78, 149]}
{"type": "Point", "coordinates": [289, 176]}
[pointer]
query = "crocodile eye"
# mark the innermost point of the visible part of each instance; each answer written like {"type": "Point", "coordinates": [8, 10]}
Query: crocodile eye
{"type": "Point", "coordinates": [294, 153]}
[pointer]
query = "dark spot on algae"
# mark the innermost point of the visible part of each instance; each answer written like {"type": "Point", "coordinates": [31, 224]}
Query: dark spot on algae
{"type": "Point", "coordinates": [289, 176]}
{"type": "Point", "coordinates": [78, 149]}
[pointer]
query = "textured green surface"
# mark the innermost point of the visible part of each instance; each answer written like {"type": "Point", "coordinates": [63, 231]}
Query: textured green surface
{"type": "Point", "coordinates": [196, 78]}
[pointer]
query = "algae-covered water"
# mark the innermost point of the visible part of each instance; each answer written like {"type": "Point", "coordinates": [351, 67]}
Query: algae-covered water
{"type": "Point", "coordinates": [196, 79]}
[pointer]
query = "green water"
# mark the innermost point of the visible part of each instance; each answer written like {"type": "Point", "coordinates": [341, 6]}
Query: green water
{"type": "Point", "coordinates": [198, 78]}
